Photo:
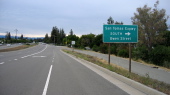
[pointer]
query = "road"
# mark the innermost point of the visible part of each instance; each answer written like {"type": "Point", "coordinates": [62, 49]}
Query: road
{"type": "Point", "coordinates": [11, 46]}
{"type": "Point", "coordinates": [136, 67]}
{"type": "Point", "coordinates": [45, 70]}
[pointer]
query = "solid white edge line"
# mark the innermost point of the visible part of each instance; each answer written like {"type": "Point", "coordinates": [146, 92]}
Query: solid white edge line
{"type": "Point", "coordinates": [47, 81]}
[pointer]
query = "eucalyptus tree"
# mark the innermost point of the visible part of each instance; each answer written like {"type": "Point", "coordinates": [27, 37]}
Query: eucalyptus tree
{"type": "Point", "coordinates": [151, 22]}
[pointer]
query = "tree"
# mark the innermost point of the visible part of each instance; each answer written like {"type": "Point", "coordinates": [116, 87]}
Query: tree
{"type": "Point", "coordinates": [8, 36]}
{"type": "Point", "coordinates": [87, 40]}
{"type": "Point", "coordinates": [166, 38]}
{"type": "Point", "coordinates": [120, 23]}
{"type": "Point", "coordinates": [21, 36]}
{"type": "Point", "coordinates": [151, 22]}
{"type": "Point", "coordinates": [71, 32]}
{"type": "Point", "coordinates": [110, 20]}
{"type": "Point", "coordinates": [55, 37]}
{"type": "Point", "coordinates": [46, 39]}
{"type": "Point", "coordinates": [62, 36]}
{"type": "Point", "coordinates": [72, 38]}
{"type": "Point", "coordinates": [98, 40]}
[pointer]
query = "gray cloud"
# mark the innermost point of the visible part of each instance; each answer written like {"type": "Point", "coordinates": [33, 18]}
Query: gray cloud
{"type": "Point", "coordinates": [37, 17]}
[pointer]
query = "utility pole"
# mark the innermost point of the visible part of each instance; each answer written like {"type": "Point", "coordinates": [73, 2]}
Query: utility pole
{"type": "Point", "coordinates": [16, 33]}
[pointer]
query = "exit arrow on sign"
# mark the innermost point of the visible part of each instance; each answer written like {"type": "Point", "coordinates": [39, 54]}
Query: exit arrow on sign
{"type": "Point", "coordinates": [127, 33]}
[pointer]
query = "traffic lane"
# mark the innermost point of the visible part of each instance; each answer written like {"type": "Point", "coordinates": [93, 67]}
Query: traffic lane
{"type": "Point", "coordinates": [26, 76]}
{"type": "Point", "coordinates": [23, 51]}
{"type": "Point", "coordinates": [6, 56]}
{"type": "Point", "coordinates": [70, 77]}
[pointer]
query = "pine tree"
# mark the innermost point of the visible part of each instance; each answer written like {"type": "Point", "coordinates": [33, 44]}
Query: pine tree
{"type": "Point", "coordinates": [71, 32]}
{"type": "Point", "coordinates": [21, 36]}
{"type": "Point", "coordinates": [110, 20]}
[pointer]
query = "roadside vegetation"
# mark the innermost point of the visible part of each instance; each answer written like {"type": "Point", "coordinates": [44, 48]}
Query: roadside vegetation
{"type": "Point", "coordinates": [146, 80]}
{"type": "Point", "coordinates": [153, 45]}
{"type": "Point", "coordinates": [17, 48]}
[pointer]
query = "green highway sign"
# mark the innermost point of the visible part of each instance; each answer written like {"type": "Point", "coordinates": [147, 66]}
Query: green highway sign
{"type": "Point", "coordinates": [120, 33]}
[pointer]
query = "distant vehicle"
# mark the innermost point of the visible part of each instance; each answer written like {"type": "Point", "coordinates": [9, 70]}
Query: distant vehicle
{"type": "Point", "coordinates": [87, 48]}
{"type": "Point", "coordinates": [8, 45]}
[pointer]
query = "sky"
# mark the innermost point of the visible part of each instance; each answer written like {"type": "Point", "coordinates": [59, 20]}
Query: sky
{"type": "Point", "coordinates": [35, 18]}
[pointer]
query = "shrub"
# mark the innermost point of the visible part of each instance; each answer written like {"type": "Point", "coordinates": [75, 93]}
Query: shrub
{"type": "Point", "coordinates": [159, 55]}
{"type": "Point", "coordinates": [104, 48]}
{"type": "Point", "coordinates": [96, 48]}
{"type": "Point", "coordinates": [141, 52]}
{"type": "Point", "coordinates": [113, 50]}
{"type": "Point", "coordinates": [123, 53]}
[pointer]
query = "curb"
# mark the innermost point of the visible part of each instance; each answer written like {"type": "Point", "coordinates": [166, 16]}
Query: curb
{"type": "Point", "coordinates": [132, 83]}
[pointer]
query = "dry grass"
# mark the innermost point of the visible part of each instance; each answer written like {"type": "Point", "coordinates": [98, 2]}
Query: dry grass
{"type": "Point", "coordinates": [146, 80]}
{"type": "Point", "coordinates": [16, 48]}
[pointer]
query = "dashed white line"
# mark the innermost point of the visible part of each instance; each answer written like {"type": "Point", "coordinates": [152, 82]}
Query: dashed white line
{"type": "Point", "coordinates": [34, 53]}
{"type": "Point", "coordinates": [15, 59]}
{"type": "Point", "coordinates": [2, 63]}
{"type": "Point", "coordinates": [47, 81]}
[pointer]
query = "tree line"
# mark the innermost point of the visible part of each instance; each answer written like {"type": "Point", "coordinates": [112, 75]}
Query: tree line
{"type": "Point", "coordinates": [153, 42]}
{"type": "Point", "coordinates": [10, 39]}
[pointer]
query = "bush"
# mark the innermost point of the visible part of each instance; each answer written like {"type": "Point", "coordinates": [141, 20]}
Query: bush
{"type": "Point", "coordinates": [96, 48]}
{"type": "Point", "coordinates": [27, 43]}
{"type": "Point", "coordinates": [113, 50]}
{"type": "Point", "coordinates": [123, 53]}
{"type": "Point", "coordinates": [104, 48]}
{"type": "Point", "coordinates": [159, 55]}
{"type": "Point", "coordinates": [141, 52]}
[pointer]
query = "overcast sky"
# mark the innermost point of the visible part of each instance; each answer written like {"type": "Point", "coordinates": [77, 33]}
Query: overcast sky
{"type": "Point", "coordinates": [37, 17]}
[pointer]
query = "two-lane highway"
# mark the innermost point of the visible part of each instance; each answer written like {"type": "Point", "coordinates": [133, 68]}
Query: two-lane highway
{"type": "Point", "coordinates": [45, 70]}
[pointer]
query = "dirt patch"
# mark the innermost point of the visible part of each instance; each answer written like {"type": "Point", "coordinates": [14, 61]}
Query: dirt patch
{"type": "Point", "coordinates": [16, 48]}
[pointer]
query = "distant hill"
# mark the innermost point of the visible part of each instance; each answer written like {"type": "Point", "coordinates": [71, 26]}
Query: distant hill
{"type": "Point", "coordinates": [2, 36]}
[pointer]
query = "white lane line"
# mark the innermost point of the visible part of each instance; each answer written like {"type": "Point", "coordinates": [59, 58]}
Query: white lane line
{"type": "Point", "coordinates": [15, 59]}
{"type": "Point", "coordinates": [47, 81]}
{"type": "Point", "coordinates": [38, 56]}
{"type": "Point", "coordinates": [2, 63]}
{"type": "Point", "coordinates": [35, 53]}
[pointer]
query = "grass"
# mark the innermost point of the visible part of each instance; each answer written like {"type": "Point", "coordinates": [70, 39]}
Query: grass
{"type": "Point", "coordinates": [16, 48]}
{"type": "Point", "coordinates": [146, 80]}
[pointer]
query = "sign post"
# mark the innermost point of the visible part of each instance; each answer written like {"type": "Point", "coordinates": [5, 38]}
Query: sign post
{"type": "Point", "coordinates": [121, 34]}
{"type": "Point", "coordinates": [72, 43]}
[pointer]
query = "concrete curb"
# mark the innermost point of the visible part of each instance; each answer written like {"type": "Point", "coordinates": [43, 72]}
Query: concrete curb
{"type": "Point", "coordinates": [132, 83]}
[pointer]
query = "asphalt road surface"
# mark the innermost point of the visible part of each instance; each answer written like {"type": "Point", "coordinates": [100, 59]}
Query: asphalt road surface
{"type": "Point", "coordinates": [136, 67]}
{"type": "Point", "coordinates": [45, 70]}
